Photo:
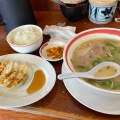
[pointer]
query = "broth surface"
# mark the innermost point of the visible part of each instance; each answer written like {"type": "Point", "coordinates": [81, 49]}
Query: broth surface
{"type": "Point", "coordinates": [106, 71]}
{"type": "Point", "coordinates": [93, 52]}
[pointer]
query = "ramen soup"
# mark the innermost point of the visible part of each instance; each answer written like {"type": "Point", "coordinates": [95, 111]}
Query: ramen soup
{"type": "Point", "coordinates": [106, 71]}
{"type": "Point", "coordinates": [89, 54]}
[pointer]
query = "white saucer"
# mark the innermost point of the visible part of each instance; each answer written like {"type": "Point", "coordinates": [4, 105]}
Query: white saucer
{"type": "Point", "coordinates": [103, 104]}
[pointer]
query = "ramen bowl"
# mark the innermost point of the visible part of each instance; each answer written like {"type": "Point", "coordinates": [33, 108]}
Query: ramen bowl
{"type": "Point", "coordinates": [89, 48]}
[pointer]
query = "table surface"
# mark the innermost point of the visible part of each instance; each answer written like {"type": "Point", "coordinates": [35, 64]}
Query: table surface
{"type": "Point", "coordinates": [58, 104]}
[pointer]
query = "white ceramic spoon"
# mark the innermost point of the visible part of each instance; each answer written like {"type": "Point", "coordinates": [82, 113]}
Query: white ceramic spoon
{"type": "Point", "coordinates": [91, 74]}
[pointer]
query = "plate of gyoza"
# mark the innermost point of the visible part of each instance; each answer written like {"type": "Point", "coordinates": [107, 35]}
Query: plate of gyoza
{"type": "Point", "coordinates": [17, 79]}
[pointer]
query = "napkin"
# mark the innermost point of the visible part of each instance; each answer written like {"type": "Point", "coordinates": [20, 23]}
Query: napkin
{"type": "Point", "coordinates": [59, 32]}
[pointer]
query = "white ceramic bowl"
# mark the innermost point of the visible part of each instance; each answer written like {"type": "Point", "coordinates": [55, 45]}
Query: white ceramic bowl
{"type": "Point", "coordinates": [51, 44]}
{"type": "Point", "coordinates": [81, 38]}
{"type": "Point", "coordinates": [27, 48]}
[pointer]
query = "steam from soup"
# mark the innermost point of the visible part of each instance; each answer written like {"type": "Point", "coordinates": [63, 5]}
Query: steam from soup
{"type": "Point", "coordinates": [93, 52]}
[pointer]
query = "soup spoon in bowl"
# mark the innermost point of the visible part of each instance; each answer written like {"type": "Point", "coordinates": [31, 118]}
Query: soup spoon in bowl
{"type": "Point", "coordinates": [102, 71]}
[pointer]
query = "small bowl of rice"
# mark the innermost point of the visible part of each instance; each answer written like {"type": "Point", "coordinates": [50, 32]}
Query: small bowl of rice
{"type": "Point", "coordinates": [25, 38]}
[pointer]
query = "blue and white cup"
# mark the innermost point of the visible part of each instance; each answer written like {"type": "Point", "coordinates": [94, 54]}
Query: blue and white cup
{"type": "Point", "coordinates": [101, 14]}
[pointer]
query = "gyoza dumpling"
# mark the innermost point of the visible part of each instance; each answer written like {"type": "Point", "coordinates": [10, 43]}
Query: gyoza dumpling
{"type": "Point", "coordinates": [3, 64]}
{"type": "Point", "coordinates": [11, 75]}
{"type": "Point", "coordinates": [22, 75]}
{"type": "Point", "coordinates": [7, 69]}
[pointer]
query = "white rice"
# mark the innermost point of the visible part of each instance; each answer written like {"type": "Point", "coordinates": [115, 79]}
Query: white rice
{"type": "Point", "coordinates": [27, 36]}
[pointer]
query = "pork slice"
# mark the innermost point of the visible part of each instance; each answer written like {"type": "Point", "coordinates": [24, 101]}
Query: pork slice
{"type": "Point", "coordinates": [81, 61]}
{"type": "Point", "coordinates": [81, 52]}
{"type": "Point", "coordinates": [97, 49]}
{"type": "Point", "coordinates": [88, 55]}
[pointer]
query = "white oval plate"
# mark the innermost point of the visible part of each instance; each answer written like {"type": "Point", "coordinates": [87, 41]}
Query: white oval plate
{"type": "Point", "coordinates": [50, 44]}
{"type": "Point", "coordinates": [17, 96]}
{"type": "Point", "coordinates": [105, 104]}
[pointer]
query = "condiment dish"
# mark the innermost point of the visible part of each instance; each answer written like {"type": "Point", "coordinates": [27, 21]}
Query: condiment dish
{"type": "Point", "coordinates": [56, 44]}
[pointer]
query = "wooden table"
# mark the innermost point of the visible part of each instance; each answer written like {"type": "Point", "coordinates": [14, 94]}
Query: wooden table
{"type": "Point", "coordinates": [58, 104]}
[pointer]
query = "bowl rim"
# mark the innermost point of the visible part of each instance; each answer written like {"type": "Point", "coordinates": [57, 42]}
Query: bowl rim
{"type": "Point", "coordinates": [113, 31]}
{"type": "Point", "coordinates": [22, 26]}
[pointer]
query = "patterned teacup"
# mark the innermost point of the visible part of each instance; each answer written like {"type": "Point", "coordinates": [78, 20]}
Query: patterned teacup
{"type": "Point", "coordinates": [101, 14]}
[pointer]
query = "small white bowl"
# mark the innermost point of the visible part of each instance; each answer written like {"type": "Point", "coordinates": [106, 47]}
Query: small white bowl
{"type": "Point", "coordinates": [50, 44]}
{"type": "Point", "coordinates": [27, 48]}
